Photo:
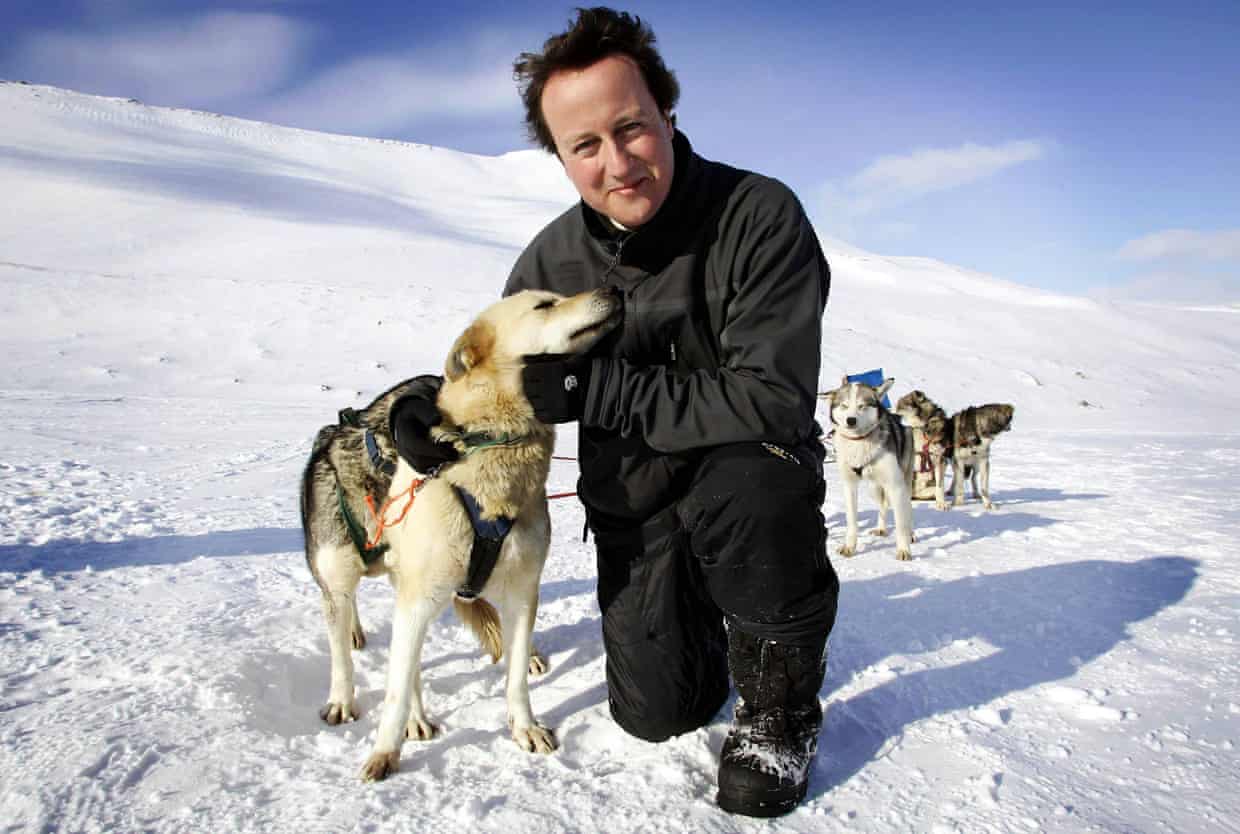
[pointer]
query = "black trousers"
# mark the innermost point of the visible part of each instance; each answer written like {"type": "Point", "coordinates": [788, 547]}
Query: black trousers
{"type": "Point", "coordinates": [746, 543]}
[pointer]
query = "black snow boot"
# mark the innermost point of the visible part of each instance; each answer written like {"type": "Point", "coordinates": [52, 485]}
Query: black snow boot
{"type": "Point", "coordinates": [764, 764]}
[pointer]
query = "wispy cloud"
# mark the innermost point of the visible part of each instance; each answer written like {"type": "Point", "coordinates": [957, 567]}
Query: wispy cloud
{"type": "Point", "coordinates": [202, 61]}
{"type": "Point", "coordinates": [891, 180]}
{"type": "Point", "coordinates": [1184, 244]}
{"type": "Point", "coordinates": [382, 94]}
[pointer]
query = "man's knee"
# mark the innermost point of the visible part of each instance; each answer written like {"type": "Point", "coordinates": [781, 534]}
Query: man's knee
{"type": "Point", "coordinates": [664, 639]}
{"type": "Point", "coordinates": [665, 711]}
{"type": "Point", "coordinates": [755, 525]}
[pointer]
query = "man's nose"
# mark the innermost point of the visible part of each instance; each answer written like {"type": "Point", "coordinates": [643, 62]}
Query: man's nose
{"type": "Point", "coordinates": [619, 160]}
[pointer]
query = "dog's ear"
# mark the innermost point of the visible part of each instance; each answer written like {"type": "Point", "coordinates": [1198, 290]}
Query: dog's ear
{"type": "Point", "coordinates": [843, 383]}
{"type": "Point", "coordinates": [470, 350]}
{"type": "Point", "coordinates": [882, 389]}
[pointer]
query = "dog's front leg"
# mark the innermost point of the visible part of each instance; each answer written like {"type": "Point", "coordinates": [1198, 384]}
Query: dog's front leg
{"type": "Point", "coordinates": [958, 470]}
{"type": "Point", "coordinates": [403, 700]}
{"type": "Point", "coordinates": [881, 497]}
{"type": "Point", "coordinates": [518, 625]}
{"type": "Point", "coordinates": [850, 511]}
{"type": "Point", "coordinates": [983, 474]}
{"type": "Point", "coordinates": [902, 509]}
{"type": "Point", "coordinates": [940, 472]}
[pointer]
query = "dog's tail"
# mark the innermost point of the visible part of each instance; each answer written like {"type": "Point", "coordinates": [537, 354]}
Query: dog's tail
{"type": "Point", "coordinates": [483, 621]}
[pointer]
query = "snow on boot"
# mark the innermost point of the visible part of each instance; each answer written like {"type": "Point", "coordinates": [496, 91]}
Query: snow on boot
{"type": "Point", "coordinates": [764, 764]}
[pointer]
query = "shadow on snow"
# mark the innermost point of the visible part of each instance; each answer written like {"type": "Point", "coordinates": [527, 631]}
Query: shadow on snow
{"type": "Point", "coordinates": [62, 556]}
{"type": "Point", "coordinates": [1043, 624]}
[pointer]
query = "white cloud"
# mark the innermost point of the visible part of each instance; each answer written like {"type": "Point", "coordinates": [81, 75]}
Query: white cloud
{"type": "Point", "coordinates": [891, 180]}
{"type": "Point", "coordinates": [1175, 285]}
{"type": "Point", "coordinates": [849, 207]}
{"type": "Point", "coordinates": [1223, 245]}
{"type": "Point", "coordinates": [199, 62]}
{"type": "Point", "coordinates": [379, 94]}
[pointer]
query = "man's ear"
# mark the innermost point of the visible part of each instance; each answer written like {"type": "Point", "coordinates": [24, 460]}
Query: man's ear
{"type": "Point", "coordinates": [471, 350]}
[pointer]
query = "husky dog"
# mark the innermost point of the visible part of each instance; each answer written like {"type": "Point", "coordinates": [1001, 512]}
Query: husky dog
{"type": "Point", "coordinates": [871, 443]}
{"type": "Point", "coordinates": [339, 476]}
{"type": "Point", "coordinates": [973, 430]}
{"type": "Point", "coordinates": [498, 483]}
{"type": "Point", "coordinates": [932, 438]}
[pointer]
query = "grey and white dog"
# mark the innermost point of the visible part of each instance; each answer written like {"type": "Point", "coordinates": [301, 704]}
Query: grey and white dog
{"type": "Point", "coordinates": [871, 444]}
{"type": "Point", "coordinates": [932, 438]}
{"type": "Point", "coordinates": [339, 475]}
{"type": "Point", "coordinates": [973, 431]}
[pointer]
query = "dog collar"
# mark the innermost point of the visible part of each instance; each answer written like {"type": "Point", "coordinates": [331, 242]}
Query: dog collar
{"type": "Point", "coordinates": [476, 440]}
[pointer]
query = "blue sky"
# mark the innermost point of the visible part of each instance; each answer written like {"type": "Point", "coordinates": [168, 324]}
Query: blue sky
{"type": "Point", "coordinates": [1079, 147]}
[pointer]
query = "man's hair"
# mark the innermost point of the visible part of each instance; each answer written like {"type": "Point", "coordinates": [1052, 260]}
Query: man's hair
{"type": "Point", "coordinates": [595, 34]}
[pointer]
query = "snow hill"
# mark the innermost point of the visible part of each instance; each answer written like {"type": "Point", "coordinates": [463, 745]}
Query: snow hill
{"type": "Point", "coordinates": [185, 298]}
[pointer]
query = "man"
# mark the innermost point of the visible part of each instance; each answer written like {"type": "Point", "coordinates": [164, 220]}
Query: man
{"type": "Point", "coordinates": [701, 471]}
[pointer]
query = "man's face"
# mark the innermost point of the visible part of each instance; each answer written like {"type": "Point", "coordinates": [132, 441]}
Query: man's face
{"type": "Point", "coordinates": [615, 144]}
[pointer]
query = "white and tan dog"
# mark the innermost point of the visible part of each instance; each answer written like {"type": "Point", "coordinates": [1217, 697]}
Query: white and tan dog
{"type": "Point", "coordinates": [430, 546]}
{"type": "Point", "coordinates": [871, 444]}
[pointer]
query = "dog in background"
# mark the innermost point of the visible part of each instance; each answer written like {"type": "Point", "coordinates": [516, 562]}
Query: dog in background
{"type": "Point", "coordinates": [425, 544]}
{"type": "Point", "coordinates": [932, 437]}
{"type": "Point", "coordinates": [871, 444]}
{"type": "Point", "coordinates": [973, 431]}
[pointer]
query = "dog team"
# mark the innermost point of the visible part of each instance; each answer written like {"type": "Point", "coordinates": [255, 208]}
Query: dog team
{"type": "Point", "coordinates": [881, 446]}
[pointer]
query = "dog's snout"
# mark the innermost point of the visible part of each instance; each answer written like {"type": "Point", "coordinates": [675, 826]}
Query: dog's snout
{"type": "Point", "coordinates": [852, 422]}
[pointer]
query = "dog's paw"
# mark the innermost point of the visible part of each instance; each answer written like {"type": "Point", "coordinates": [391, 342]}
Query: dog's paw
{"type": "Point", "coordinates": [538, 664]}
{"type": "Point", "coordinates": [335, 713]}
{"type": "Point", "coordinates": [359, 639]}
{"type": "Point", "coordinates": [942, 505]}
{"type": "Point", "coordinates": [904, 555]}
{"type": "Point", "coordinates": [535, 739]}
{"type": "Point", "coordinates": [988, 504]}
{"type": "Point", "coordinates": [846, 550]}
{"type": "Point", "coordinates": [419, 729]}
{"type": "Point", "coordinates": [380, 766]}
{"type": "Point", "coordinates": [879, 531]}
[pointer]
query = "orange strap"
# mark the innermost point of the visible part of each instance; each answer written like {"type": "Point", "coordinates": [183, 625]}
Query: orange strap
{"type": "Point", "coordinates": [380, 516]}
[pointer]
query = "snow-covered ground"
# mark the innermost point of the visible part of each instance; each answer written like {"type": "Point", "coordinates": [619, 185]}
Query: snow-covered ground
{"type": "Point", "coordinates": [185, 298]}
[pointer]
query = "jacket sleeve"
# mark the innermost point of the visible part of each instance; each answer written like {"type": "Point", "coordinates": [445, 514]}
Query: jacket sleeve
{"type": "Point", "coordinates": [770, 344]}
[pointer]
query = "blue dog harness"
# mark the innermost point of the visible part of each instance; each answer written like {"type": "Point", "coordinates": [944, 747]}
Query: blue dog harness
{"type": "Point", "coordinates": [488, 539]}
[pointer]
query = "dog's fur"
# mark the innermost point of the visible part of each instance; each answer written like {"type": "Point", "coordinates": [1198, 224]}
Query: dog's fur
{"type": "Point", "coordinates": [933, 429]}
{"type": "Point", "coordinates": [973, 431]}
{"type": "Point", "coordinates": [430, 547]}
{"type": "Point", "coordinates": [963, 438]}
{"type": "Point", "coordinates": [871, 444]}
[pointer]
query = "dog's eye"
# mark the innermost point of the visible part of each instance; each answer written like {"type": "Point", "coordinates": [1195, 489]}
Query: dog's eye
{"type": "Point", "coordinates": [544, 305]}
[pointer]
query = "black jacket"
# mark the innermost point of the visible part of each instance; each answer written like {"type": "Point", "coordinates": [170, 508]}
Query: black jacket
{"type": "Point", "coordinates": [724, 293]}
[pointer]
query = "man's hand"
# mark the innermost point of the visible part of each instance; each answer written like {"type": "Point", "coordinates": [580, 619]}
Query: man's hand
{"type": "Point", "coordinates": [411, 420]}
{"type": "Point", "coordinates": [556, 385]}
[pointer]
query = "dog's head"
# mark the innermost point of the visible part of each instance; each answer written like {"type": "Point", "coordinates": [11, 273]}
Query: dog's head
{"type": "Point", "coordinates": [855, 406]}
{"type": "Point", "coordinates": [482, 375]}
{"type": "Point", "coordinates": [916, 409]}
{"type": "Point", "coordinates": [994, 418]}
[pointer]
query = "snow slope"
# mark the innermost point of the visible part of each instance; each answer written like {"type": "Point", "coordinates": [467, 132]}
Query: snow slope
{"type": "Point", "coordinates": [186, 298]}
